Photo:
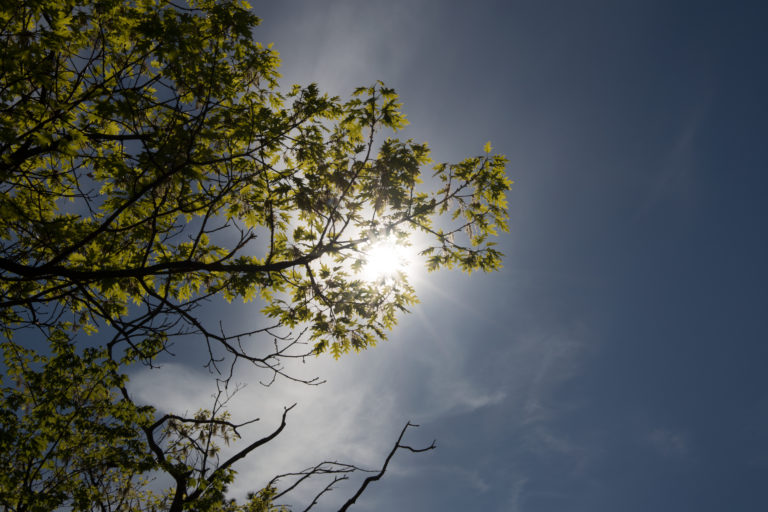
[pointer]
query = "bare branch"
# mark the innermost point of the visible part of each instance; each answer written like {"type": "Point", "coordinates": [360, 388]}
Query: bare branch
{"type": "Point", "coordinates": [380, 474]}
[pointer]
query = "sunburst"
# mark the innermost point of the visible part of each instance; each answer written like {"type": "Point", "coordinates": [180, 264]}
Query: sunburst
{"type": "Point", "coordinates": [387, 259]}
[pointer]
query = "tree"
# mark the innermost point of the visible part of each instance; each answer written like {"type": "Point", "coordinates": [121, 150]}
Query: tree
{"type": "Point", "coordinates": [149, 163]}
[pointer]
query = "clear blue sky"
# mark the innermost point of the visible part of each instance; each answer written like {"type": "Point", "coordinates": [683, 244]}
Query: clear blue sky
{"type": "Point", "coordinates": [618, 362]}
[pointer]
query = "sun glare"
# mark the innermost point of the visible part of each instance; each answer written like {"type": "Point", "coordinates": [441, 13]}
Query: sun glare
{"type": "Point", "coordinates": [386, 259]}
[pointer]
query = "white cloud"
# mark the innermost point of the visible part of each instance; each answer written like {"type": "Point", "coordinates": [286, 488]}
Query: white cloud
{"type": "Point", "coordinates": [173, 387]}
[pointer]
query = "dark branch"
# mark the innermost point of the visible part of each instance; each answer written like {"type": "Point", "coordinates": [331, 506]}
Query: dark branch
{"type": "Point", "coordinates": [380, 474]}
{"type": "Point", "coordinates": [241, 454]}
{"type": "Point", "coordinates": [171, 267]}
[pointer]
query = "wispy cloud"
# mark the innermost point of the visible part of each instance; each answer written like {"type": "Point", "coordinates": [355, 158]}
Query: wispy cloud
{"type": "Point", "coordinates": [514, 502]}
{"type": "Point", "coordinates": [470, 477]}
{"type": "Point", "coordinates": [331, 46]}
{"type": "Point", "coordinates": [354, 417]}
{"type": "Point", "coordinates": [675, 178]}
{"type": "Point", "coordinates": [173, 387]}
{"type": "Point", "coordinates": [669, 442]}
{"type": "Point", "coordinates": [541, 364]}
{"type": "Point", "coordinates": [428, 372]}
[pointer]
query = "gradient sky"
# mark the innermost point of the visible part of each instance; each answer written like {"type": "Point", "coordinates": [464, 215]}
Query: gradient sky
{"type": "Point", "coordinates": [618, 362]}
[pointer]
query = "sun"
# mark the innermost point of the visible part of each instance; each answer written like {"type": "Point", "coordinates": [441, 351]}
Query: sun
{"type": "Point", "coordinates": [387, 260]}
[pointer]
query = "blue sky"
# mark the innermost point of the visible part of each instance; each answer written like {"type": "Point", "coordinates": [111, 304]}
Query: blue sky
{"type": "Point", "coordinates": [618, 360]}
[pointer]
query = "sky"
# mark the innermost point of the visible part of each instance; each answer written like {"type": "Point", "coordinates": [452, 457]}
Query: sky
{"type": "Point", "coordinates": [617, 362]}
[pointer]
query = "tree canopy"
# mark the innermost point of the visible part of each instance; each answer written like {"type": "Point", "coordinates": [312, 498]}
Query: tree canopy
{"type": "Point", "coordinates": [150, 162]}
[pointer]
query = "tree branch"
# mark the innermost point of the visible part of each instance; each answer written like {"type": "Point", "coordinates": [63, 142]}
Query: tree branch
{"type": "Point", "coordinates": [378, 475]}
{"type": "Point", "coordinates": [239, 455]}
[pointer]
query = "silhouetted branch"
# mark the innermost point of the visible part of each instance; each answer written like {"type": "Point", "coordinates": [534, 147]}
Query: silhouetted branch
{"type": "Point", "coordinates": [241, 454]}
{"type": "Point", "coordinates": [327, 488]}
{"type": "Point", "coordinates": [378, 476]}
{"type": "Point", "coordinates": [324, 468]}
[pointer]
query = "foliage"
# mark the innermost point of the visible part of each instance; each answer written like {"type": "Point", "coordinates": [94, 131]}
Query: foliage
{"type": "Point", "coordinates": [149, 162]}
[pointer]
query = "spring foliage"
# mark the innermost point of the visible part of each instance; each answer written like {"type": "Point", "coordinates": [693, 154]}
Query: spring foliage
{"type": "Point", "coordinates": [149, 162]}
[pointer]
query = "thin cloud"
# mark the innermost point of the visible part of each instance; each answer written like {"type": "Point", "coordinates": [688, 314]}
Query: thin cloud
{"type": "Point", "coordinates": [668, 442]}
{"type": "Point", "coordinates": [331, 46]}
{"type": "Point", "coordinates": [515, 495]}
{"type": "Point", "coordinates": [676, 176]}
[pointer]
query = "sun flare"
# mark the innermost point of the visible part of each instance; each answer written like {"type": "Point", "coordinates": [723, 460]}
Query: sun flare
{"type": "Point", "coordinates": [387, 259]}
